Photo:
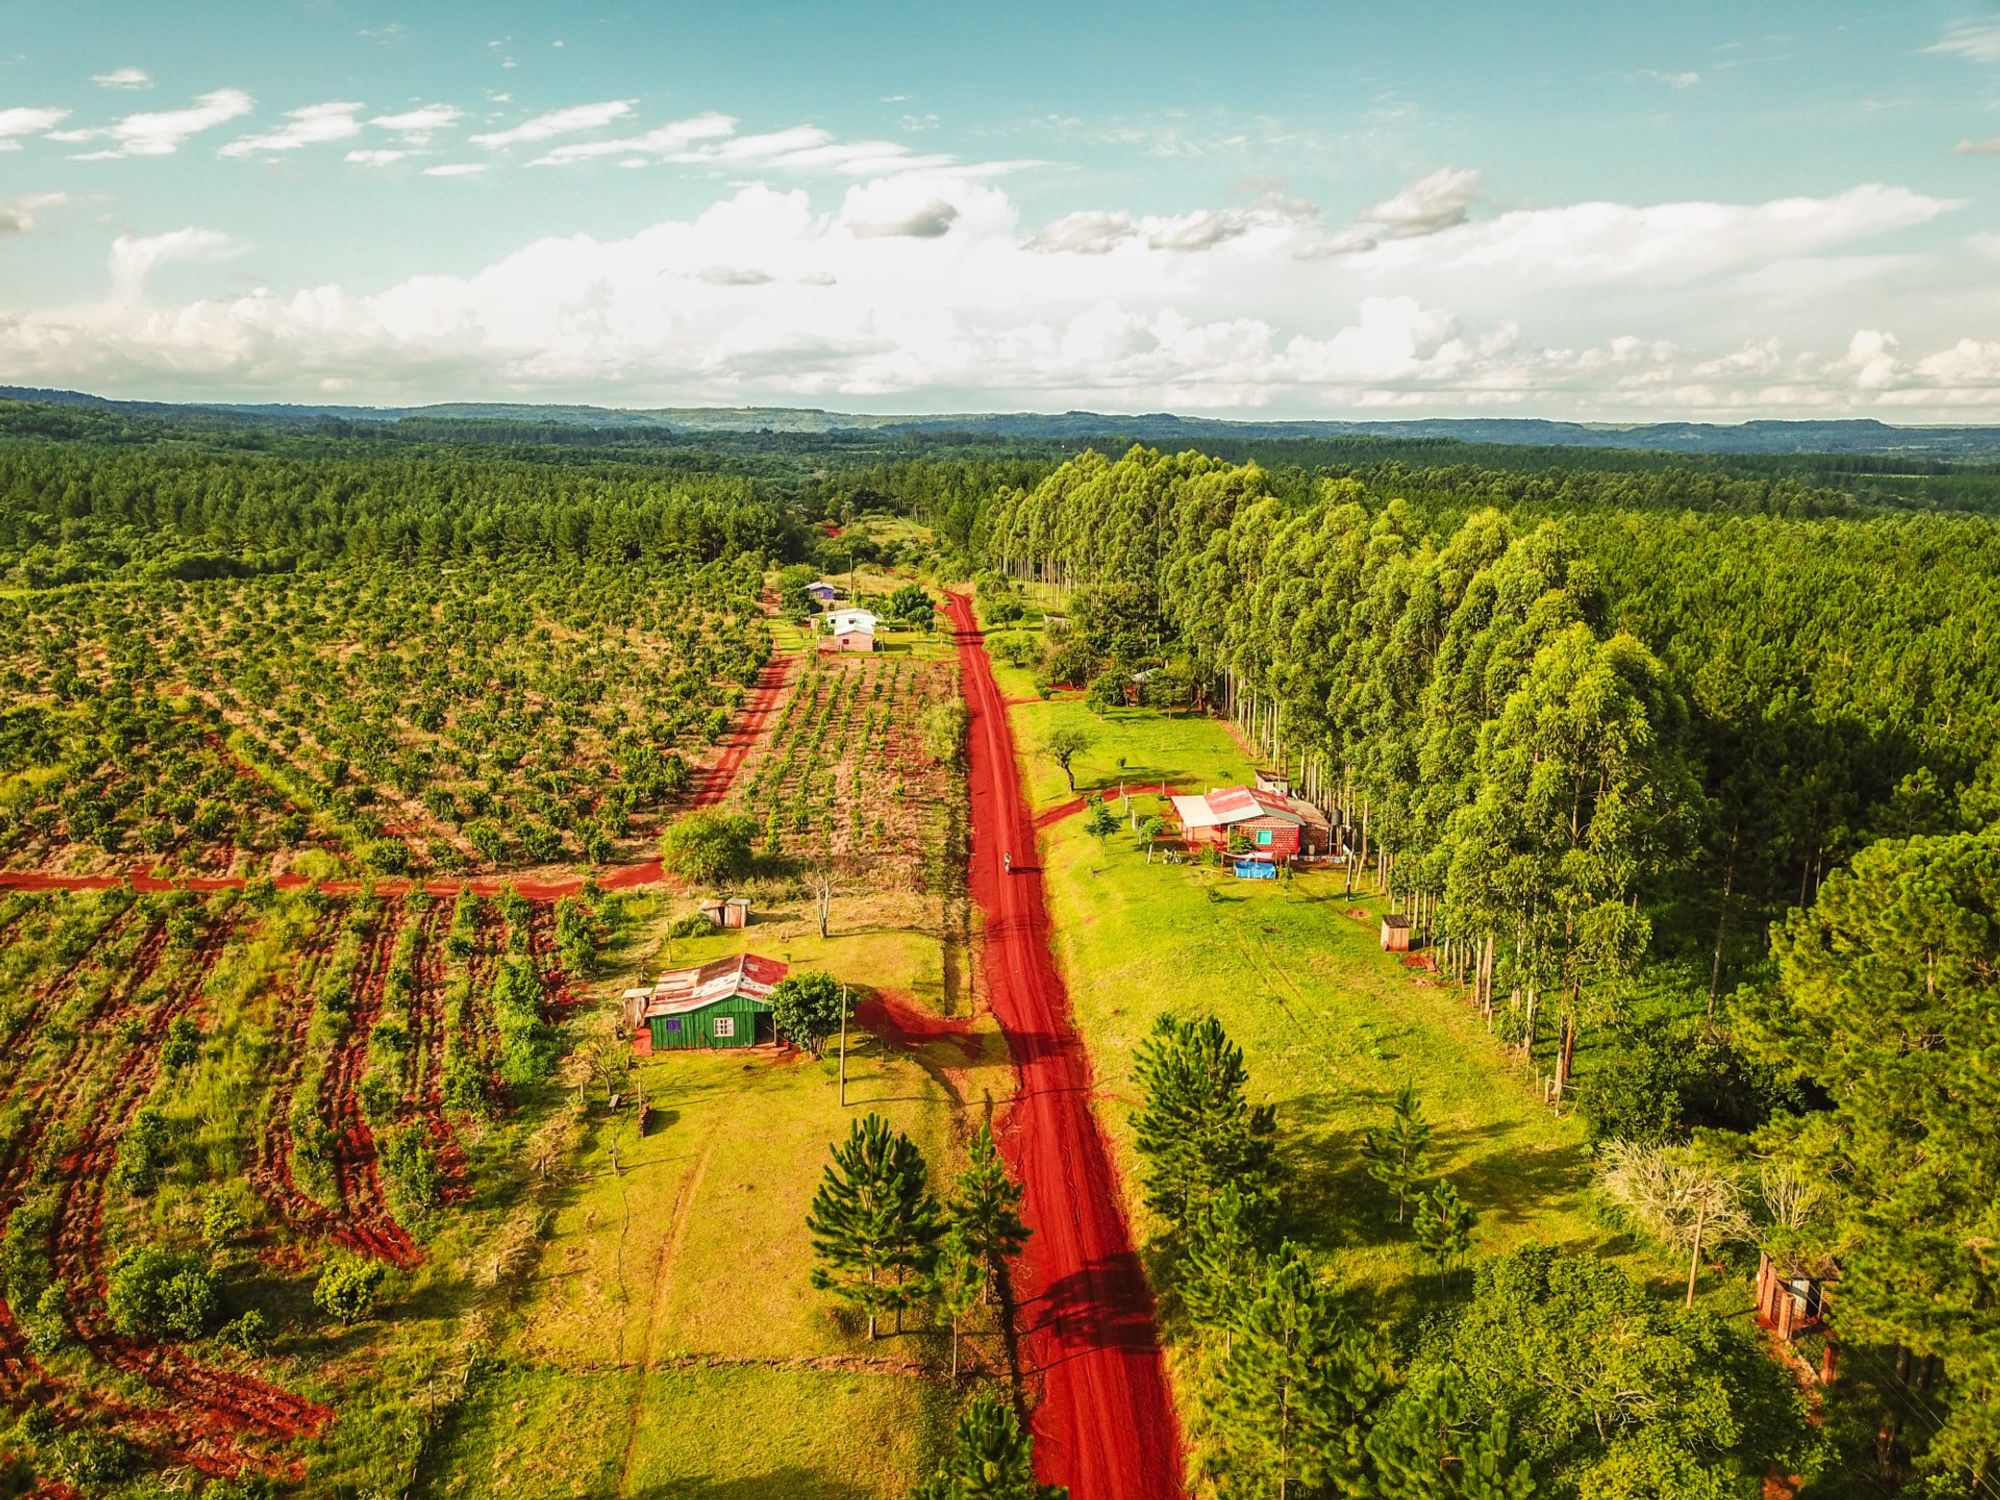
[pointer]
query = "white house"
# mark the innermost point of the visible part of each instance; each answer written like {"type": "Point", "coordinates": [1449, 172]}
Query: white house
{"type": "Point", "coordinates": [850, 622]}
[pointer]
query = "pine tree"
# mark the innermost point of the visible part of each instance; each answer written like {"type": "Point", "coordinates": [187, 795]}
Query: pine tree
{"type": "Point", "coordinates": [1430, 1445]}
{"type": "Point", "coordinates": [874, 1221]}
{"type": "Point", "coordinates": [1197, 1129]}
{"type": "Point", "coordinates": [960, 1277]}
{"type": "Point", "coordinates": [993, 1459]}
{"type": "Point", "coordinates": [1294, 1392]}
{"type": "Point", "coordinates": [1398, 1155]}
{"type": "Point", "coordinates": [1444, 1227]}
{"type": "Point", "coordinates": [986, 1208]}
{"type": "Point", "coordinates": [1224, 1258]}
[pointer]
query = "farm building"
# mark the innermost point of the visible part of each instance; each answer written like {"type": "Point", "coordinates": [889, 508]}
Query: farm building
{"type": "Point", "coordinates": [1277, 827]}
{"type": "Point", "coordinates": [726, 1003]}
{"type": "Point", "coordinates": [735, 912]}
{"type": "Point", "coordinates": [823, 593]}
{"type": "Point", "coordinates": [849, 630]}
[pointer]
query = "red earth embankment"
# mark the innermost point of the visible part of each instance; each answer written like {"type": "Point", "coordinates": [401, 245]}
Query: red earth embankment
{"type": "Point", "coordinates": [1104, 1423]}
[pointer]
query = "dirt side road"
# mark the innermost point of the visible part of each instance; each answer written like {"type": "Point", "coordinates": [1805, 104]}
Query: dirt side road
{"type": "Point", "coordinates": [1104, 1423]}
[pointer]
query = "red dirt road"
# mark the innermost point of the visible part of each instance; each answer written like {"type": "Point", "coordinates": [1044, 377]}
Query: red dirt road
{"type": "Point", "coordinates": [1104, 1424]}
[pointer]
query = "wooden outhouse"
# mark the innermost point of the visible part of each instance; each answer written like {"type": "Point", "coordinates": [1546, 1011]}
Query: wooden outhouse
{"type": "Point", "coordinates": [726, 1003]}
{"type": "Point", "coordinates": [733, 912]}
{"type": "Point", "coordinates": [1794, 1296]}
{"type": "Point", "coordinates": [1396, 932]}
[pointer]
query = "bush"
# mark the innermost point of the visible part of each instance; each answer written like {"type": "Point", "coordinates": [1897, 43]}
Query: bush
{"type": "Point", "coordinates": [249, 1334]}
{"type": "Point", "coordinates": [222, 1219]}
{"type": "Point", "coordinates": [182, 1045]}
{"type": "Point", "coordinates": [349, 1287]}
{"type": "Point", "coordinates": [410, 1161]}
{"type": "Point", "coordinates": [709, 847]}
{"type": "Point", "coordinates": [157, 1294]}
{"type": "Point", "coordinates": [143, 1151]}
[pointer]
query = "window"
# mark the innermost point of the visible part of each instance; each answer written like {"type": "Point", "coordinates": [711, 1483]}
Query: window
{"type": "Point", "coordinates": [673, 1023]}
{"type": "Point", "coordinates": [1263, 837]}
{"type": "Point", "coordinates": [723, 1026]}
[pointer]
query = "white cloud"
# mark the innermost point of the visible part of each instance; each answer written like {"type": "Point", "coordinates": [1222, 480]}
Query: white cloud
{"type": "Point", "coordinates": [456, 169]}
{"type": "Point", "coordinates": [921, 289]}
{"type": "Point", "coordinates": [417, 126]}
{"type": "Point", "coordinates": [665, 141]}
{"type": "Point", "coordinates": [123, 78]}
{"type": "Point", "coordinates": [1429, 205]}
{"type": "Point", "coordinates": [133, 258]}
{"type": "Point", "coordinates": [162, 132]}
{"type": "Point", "coordinates": [20, 121]}
{"type": "Point", "coordinates": [380, 156]}
{"type": "Point", "coordinates": [570, 121]}
{"type": "Point", "coordinates": [1977, 148]}
{"type": "Point", "coordinates": [1977, 41]}
{"type": "Point", "coordinates": [314, 125]}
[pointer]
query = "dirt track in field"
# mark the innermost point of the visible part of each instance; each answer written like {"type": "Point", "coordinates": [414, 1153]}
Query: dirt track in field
{"type": "Point", "coordinates": [1103, 1421]}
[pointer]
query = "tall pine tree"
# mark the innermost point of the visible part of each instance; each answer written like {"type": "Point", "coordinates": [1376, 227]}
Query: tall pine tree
{"type": "Point", "coordinates": [1197, 1129]}
{"type": "Point", "coordinates": [874, 1221]}
{"type": "Point", "coordinates": [986, 1208]}
{"type": "Point", "coordinates": [1295, 1390]}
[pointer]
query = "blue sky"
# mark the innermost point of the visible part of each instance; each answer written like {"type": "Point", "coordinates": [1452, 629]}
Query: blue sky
{"type": "Point", "coordinates": [1708, 210]}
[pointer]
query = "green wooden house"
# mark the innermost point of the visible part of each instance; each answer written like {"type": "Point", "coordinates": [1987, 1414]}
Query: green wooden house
{"type": "Point", "coordinates": [726, 1003]}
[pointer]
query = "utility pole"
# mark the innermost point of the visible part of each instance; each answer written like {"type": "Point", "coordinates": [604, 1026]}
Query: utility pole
{"type": "Point", "coordinates": [843, 1046]}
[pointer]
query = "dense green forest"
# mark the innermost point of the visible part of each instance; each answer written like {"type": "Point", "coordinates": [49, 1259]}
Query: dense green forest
{"type": "Point", "coordinates": [1599, 745]}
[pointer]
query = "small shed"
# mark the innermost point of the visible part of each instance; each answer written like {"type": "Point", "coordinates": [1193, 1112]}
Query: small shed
{"type": "Point", "coordinates": [1396, 932]}
{"type": "Point", "coordinates": [732, 912]}
{"type": "Point", "coordinates": [1277, 783]}
{"type": "Point", "coordinates": [822, 592]}
{"type": "Point", "coordinates": [726, 1003]}
{"type": "Point", "coordinates": [1794, 1296]}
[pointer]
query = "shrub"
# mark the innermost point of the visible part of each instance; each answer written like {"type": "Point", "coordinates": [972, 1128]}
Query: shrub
{"type": "Point", "coordinates": [158, 1294]}
{"type": "Point", "coordinates": [349, 1287]}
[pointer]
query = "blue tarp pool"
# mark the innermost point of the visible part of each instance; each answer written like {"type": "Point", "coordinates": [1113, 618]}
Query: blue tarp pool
{"type": "Point", "coordinates": [1252, 869]}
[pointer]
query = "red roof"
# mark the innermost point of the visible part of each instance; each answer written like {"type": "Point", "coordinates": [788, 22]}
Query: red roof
{"type": "Point", "coordinates": [1234, 803]}
{"type": "Point", "coordinates": [684, 990]}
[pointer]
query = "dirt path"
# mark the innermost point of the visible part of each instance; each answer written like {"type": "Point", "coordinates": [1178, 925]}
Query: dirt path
{"type": "Point", "coordinates": [1104, 1424]}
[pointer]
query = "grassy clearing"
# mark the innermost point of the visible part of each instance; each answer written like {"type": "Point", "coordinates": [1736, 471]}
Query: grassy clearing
{"type": "Point", "coordinates": [1330, 1025]}
{"type": "Point", "coordinates": [669, 1343]}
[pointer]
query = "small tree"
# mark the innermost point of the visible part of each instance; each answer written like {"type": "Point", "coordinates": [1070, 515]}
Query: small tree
{"type": "Point", "coordinates": [806, 1009]}
{"type": "Point", "coordinates": [1150, 829]}
{"type": "Point", "coordinates": [874, 1222]}
{"type": "Point", "coordinates": [1101, 823]}
{"type": "Point", "coordinates": [1678, 1198]}
{"type": "Point", "coordinates": [222, 1219]}
{"type": "Point", "coordinates": [1398, 1155]}
{"type": "Point", "coordinates": [961, 1282]}
{"type": "Point", "coordinates": [986, 1208]}
{"type": "Point", "coordinates": [1444, 1227]}
{"type": "Point", "coordinates": [993, 1459]}
{"type": "Point", "coordinates": [941, 731]}
{"type": "Point", "coordinates": [1063, 745]}
{"type": "Point", "coordinates": [1106, 692]}
{"type": "Point", "coordinates": [348, 1287]}
{"type": "Point", "coordinates": [708, 847]}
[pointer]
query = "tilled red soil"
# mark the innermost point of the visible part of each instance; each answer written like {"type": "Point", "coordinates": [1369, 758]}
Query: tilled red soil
{"type": "Point", "coordinates": [1104, 1423]}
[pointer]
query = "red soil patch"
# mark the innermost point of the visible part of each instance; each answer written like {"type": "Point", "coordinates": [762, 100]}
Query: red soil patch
{"type": "Point", "coordinates": [1104, 1424]}
{"type": "Point", "coordinates": [901, 1022]}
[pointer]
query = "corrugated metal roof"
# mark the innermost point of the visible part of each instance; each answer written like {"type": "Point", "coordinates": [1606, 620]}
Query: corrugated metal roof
{"type": "Point", "coordinates": [683, 990]}
{"type": "Point", "coordinates": [841, 621]}
{"type": "Point", "coordinates": [1235, 804]}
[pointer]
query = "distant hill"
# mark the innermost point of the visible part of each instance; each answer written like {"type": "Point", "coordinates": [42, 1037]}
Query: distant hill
{"type": "Point", "coordinates": [1854, 436]}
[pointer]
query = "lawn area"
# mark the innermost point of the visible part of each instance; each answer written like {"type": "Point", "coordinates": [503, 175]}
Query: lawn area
{"type": "Point", "coordinates": [1329, 1024]}
{"type": "Point", "coordinates": [670, 1343]}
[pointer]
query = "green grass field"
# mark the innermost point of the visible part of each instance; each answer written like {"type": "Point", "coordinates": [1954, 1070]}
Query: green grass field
{"type": "Point", "coordinates": [1329, 1024]}
{"type": "Point", "coordinates": [669, 1343]}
